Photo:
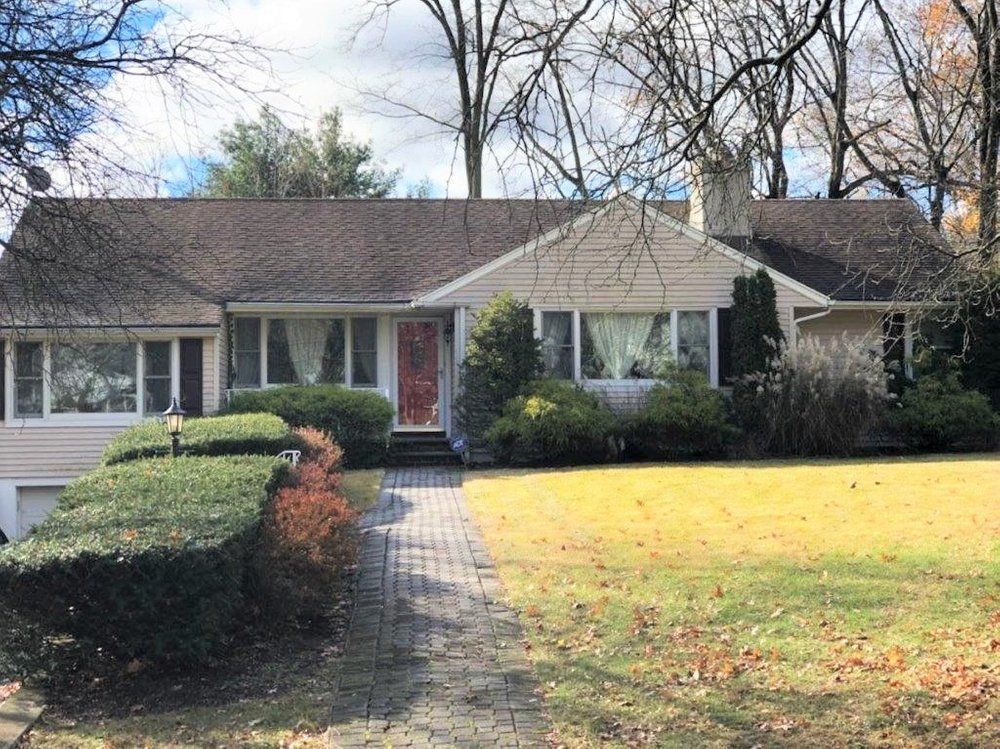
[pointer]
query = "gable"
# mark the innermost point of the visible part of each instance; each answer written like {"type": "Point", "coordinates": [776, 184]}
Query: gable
{"type": "Point", "coordinates": [623, 256]}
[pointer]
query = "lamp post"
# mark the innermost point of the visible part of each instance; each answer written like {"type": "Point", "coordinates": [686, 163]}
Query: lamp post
{"type": "Point", "coordinates": [174, 417]}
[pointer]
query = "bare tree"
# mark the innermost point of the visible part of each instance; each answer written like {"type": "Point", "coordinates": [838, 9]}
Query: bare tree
{"type": "Point", "coordinates": [60, 121]}
{"type": "Point", "coordinates": [498, 50]}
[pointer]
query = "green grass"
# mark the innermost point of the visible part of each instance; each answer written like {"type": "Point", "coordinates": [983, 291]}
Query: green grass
{"type": "Point", "coordinates": [803, 603]}
{"type": "Point", "coordinates": [361, 487]}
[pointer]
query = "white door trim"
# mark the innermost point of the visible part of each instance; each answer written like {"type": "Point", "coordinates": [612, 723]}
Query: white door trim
{"type": "Point", "coordinates": [442, 400]}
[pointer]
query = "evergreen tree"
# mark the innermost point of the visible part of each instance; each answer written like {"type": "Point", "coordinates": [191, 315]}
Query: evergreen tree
{"type": "Point", "coordinates": [501, 356]}
{"type": "Point", "coordinates": [756, 330]}
{"type": "Point", "coordinates": [268, 159]}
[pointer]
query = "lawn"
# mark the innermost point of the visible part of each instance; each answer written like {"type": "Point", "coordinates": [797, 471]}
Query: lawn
{"type": "Point", "coordinates": [275, 691]}
{"type": "Point", "coordinates": [803, 603]}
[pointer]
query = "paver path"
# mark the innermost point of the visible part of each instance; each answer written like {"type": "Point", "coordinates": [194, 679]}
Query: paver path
{"type": "Point", "coordinates": [432, 656]}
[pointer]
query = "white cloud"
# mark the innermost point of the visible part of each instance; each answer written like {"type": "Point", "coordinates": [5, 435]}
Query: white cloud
{"type": "Point", "coordinates": [315, 67]}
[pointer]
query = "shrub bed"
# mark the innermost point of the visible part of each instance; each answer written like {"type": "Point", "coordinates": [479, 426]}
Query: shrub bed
{"type": "Point", "coordinates": [242, 434]}
{"type": "Point", "coordinates": [145, 560]}
{"type": "Point", "coordinates": [815, 399]}
{"type": "Point", "coordinates": [937, 413]}
{"type": "Point", "coordinates": [358, 421]}
{"type": "Point", "coordinates": [682, 418]}
{"type": "Point", "coordinates": [553, 422]}
{"type": "Point", "coordinates": [308, 537]}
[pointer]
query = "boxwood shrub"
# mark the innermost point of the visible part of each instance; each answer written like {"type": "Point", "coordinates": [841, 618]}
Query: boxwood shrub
{"type": "Point", "coordinates": [937, 413]}
{"type": "Point", "coordinates": [683, 418]}
{"type": "Point", "coordinates": [357, 420]}
{"type": "Point", "coordinates": [243, 434]}
{"type": "Point", "coordinates": [553, 422]}
{"type": "Point", "coordinates": [144, 560]}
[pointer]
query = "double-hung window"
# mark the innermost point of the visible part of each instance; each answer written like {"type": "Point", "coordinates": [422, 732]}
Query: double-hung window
{"type": "Point", "coordinates": [246, 352]}
{"type": "Point", "coordinates": [557, 344]}
{"type": "Point", "coordinates": [364, 356]}
{"type": "Point", "coordinates": [29, 367]}
{"type": "Point", "coordinates": [156, 376]}
{"type": "Point", "coordinates": [694, 343]}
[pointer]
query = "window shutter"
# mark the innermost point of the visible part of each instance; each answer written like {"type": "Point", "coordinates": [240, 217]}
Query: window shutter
{"type": "Point", "coordinates": [724, 344]}
{"type": "Point", "coordinates": [3, 382]}
{"type": "Point", "coordinates": [191, 376]}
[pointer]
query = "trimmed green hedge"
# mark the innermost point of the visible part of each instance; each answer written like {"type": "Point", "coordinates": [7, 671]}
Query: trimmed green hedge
{"type": "Point", "coordinates": [684, 417]}
{"type": "Point", "coordinates": [242, 434]}
{"type": "Point", "coordinates": [357, 420]}
{"type": "Point", "coordinates": [553, 422]}
{"type": "Point", "coordinates": [144, 560]}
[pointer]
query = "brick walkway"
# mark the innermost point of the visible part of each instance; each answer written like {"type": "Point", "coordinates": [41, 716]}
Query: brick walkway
{"type": "Point", "coordinates": [432, 656]}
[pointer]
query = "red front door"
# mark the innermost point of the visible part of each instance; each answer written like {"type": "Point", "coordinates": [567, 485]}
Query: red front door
{"type": "Point", "coordinates": [417, 355]}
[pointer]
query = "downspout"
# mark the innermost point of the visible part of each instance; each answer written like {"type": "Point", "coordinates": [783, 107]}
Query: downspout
{"type": "Point", "coordinates": [796, 321]}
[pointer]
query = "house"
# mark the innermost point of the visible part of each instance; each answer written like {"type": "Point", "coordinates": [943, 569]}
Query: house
{"type": "Point", "coordinates": [221, 295]}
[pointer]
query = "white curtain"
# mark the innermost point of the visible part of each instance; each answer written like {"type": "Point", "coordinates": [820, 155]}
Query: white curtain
{"type": "Point", "coordinates": [618, 339]}
{"type": "Point", "coordinates": [306, 345]}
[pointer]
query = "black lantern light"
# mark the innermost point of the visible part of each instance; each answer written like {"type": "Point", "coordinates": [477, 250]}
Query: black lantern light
{"type": "Point", "coordinates": [174, 417]}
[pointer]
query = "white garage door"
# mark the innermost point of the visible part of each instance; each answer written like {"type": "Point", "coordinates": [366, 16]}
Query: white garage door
{"type": "Point", "coordinates": [34, 503]}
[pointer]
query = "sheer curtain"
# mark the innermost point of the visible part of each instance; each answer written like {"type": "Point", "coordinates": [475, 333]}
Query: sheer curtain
{"type": "Point", "coordinates": [306, 346]}
{"type": "Point", "coordinates": [619, 339]}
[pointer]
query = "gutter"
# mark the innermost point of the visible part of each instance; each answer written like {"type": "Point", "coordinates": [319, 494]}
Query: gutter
{"type": "Point", "coordinates": [796, 321]}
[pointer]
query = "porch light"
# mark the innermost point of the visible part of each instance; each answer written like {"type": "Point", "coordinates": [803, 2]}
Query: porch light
{"type": "Point", "coordinates": [174, 417]}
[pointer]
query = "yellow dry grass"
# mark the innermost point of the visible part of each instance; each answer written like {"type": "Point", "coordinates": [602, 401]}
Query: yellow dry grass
{"type": "Point", "coordinates": [757, 603]}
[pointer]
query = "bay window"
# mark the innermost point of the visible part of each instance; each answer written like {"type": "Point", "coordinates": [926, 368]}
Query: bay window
{"type": "Point", "coordinates": [694, 343]}
{"type": "Point", "coordinates": [557, 344]}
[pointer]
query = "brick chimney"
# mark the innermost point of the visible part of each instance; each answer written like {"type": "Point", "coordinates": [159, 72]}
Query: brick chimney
{"type": "Point", "coordinates": [720, 197]}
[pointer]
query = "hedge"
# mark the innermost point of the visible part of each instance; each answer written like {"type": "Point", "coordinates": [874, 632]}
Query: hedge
{"type": "Point", "coordinates": [144, 560]}
{"type": "Point", "coordinates": [358, 421]}
{"type": "Point", "coordinates": [553, 422]}
{"type": "Point", "coordinates": [243, 434]}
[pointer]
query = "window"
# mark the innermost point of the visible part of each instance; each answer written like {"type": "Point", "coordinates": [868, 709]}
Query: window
{"type": "Point", "coordinates": [156, 374]}
{"type": "Point", "coordinates": [623, 346]}
{"type": "Point", "coordinates": [693, 342]}
{"type": "Point", "coordinates": [29, 363]}
{"type": "Point", "coordinates": [93, 377]}
{"type": "Point", "coordinates": [364, 359]}
{"type": "Point", "coordinates": [557, 344]}
{"type": "Point", "coordinates": [941, 336]}
{"type": "Point", "coordinates": [246, 352]}
{"type": "Point", "coordinates": [305, 351]}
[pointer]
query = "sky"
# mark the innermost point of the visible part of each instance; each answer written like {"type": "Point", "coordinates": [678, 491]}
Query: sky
{"type": "Point", "coordinates": [315, 66]}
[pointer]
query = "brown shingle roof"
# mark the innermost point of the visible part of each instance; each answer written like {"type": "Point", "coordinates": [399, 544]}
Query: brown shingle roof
{"type": "Point", "coordinates": [191, 256]}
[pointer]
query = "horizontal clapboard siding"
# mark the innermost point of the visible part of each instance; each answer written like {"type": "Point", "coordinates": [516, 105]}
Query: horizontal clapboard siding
{"type": "Point", "coordinates": [862, 326]}
{"type": "Point", "coordinates": [621, 262]}
{"type": "Point", "coordinates": [52, 451]}
{"type": "Point", "coordinates": [210, 373]}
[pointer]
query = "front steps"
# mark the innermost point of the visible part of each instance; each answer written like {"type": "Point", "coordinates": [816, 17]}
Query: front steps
{"type": "Point", "coordinates": [421, 449]}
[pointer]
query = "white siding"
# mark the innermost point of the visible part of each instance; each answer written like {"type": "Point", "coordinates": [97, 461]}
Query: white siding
{"type": "Point", "coordinates": [210, 375]}
{"type": "Point", "coordinates": [34, 451]}
{"type": "Point", "coordinates": [621, 261]}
